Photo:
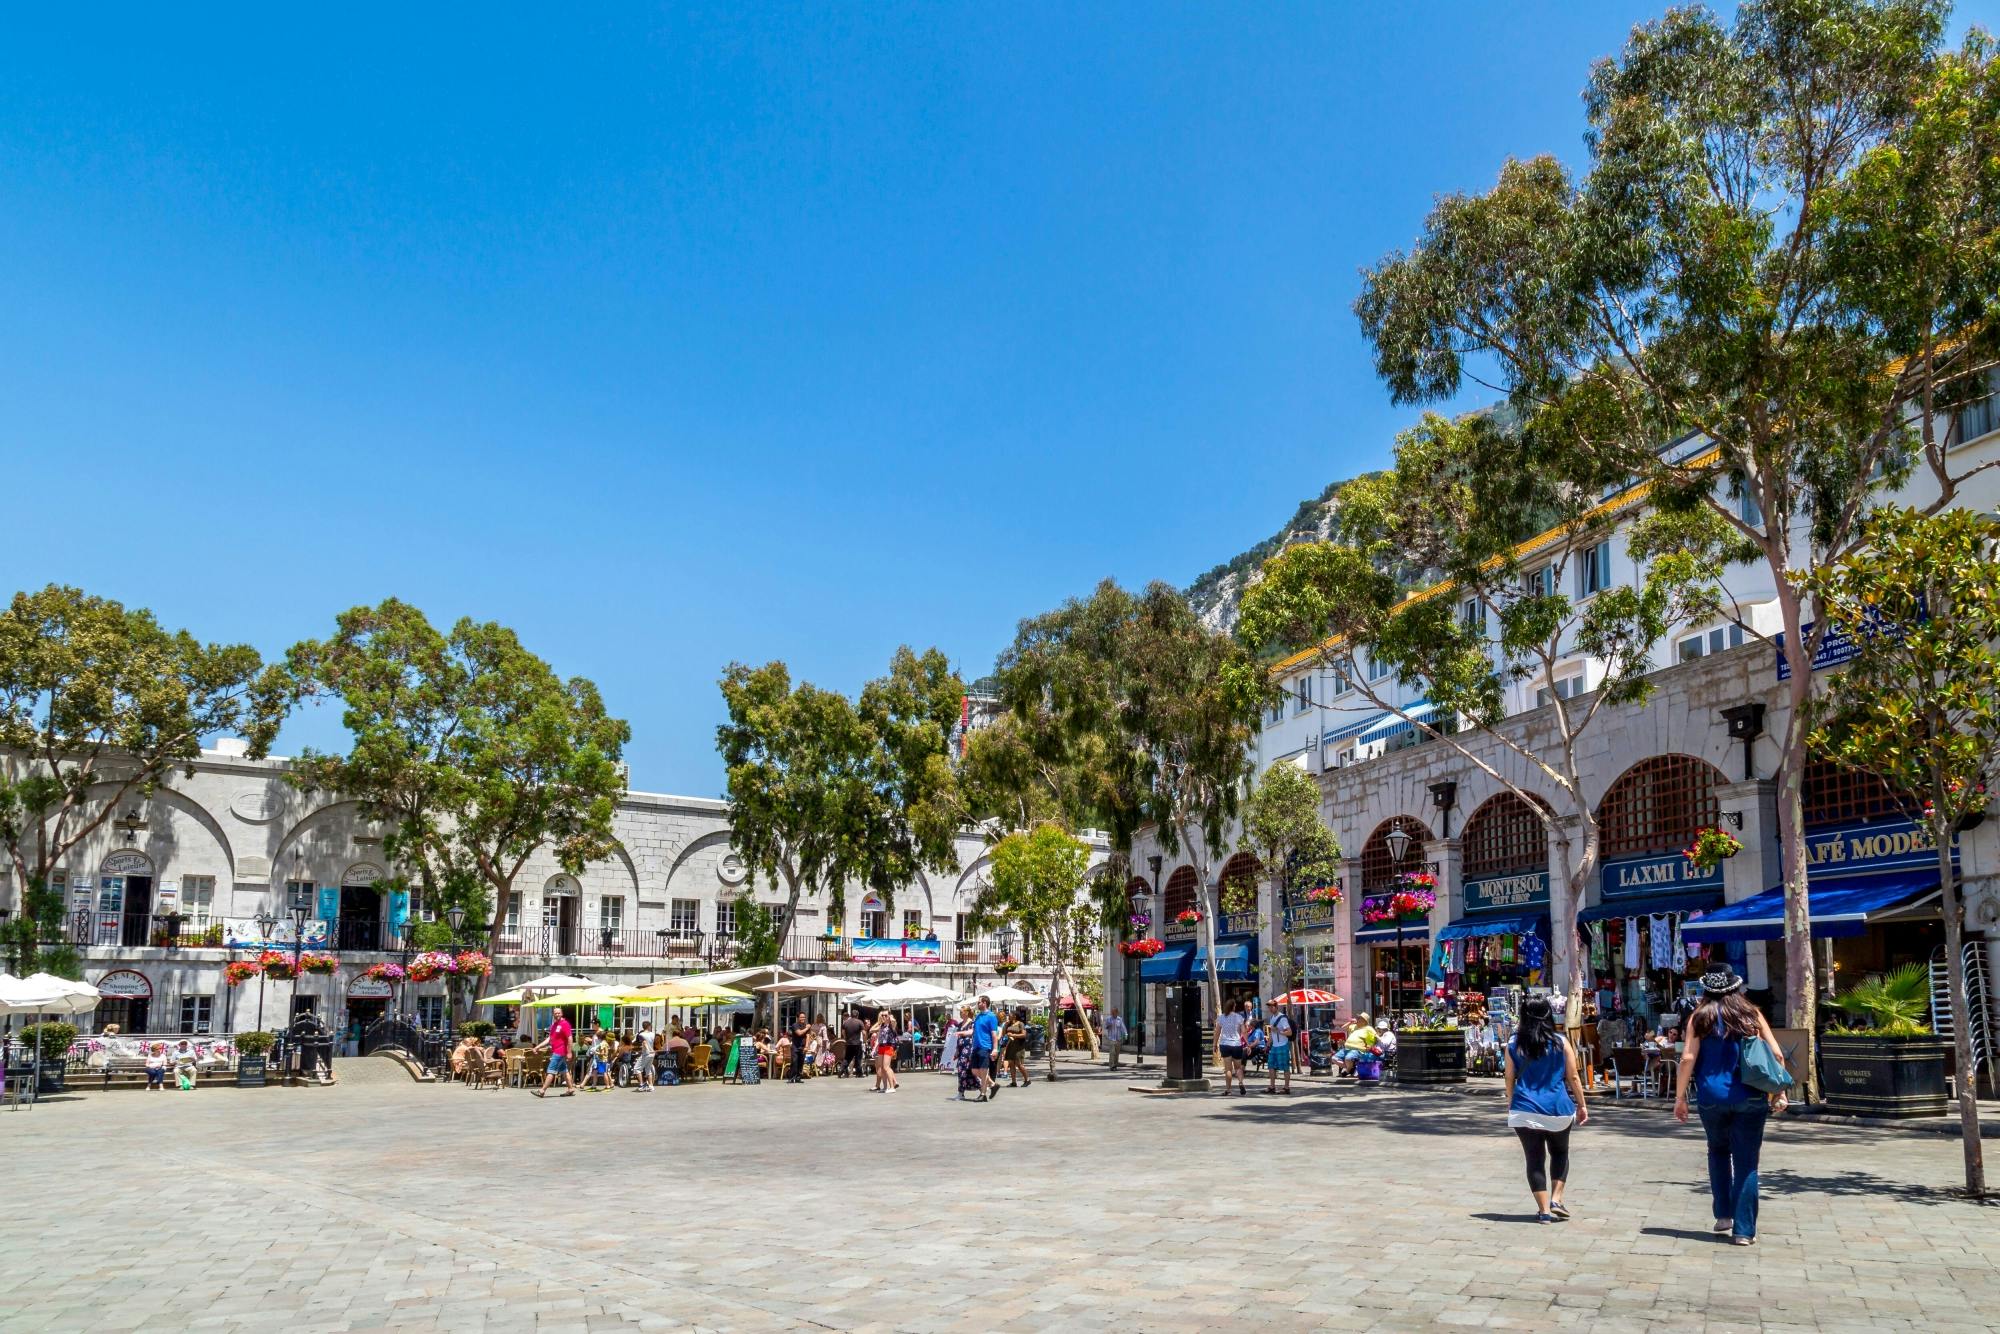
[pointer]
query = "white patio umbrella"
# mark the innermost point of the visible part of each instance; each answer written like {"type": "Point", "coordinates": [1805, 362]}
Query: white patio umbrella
{"type": "Point", "coordinates": [832, 986]}
{"type": "Point", "coordinates": [43, 993]}
{"type": "Point", "coordinates": [1002, 994]}
{"type": "Point", "coordinates": [907, 991]}
{"type": "Point", "coordinates": [557, 982]}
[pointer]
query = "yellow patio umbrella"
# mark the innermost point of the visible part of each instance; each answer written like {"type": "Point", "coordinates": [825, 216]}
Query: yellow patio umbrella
{"type": "Point", "coordinates": [673, 991]}
{"type": "Point", "coordinates": [514, 997]}
{"type": "Point", "coordinates": [589, 996]}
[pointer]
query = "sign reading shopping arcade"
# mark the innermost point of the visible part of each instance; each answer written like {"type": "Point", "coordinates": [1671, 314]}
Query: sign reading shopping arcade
{"type": "Point", "coordinates": [1527, 890]}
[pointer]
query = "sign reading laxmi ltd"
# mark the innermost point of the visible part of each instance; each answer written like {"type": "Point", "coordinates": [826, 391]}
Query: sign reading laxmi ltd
{"type": "Point", "coordinates": [1529, 889]}
{"type": "Point", "coordinates": [1629, 877]}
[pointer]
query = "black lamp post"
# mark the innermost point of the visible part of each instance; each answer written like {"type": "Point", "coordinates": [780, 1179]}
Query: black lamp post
{"type": "Point", "coordinates": [1004, 938]}
{"type": "Point", "coordinates": [1399, 847]}
{"type": "Point", "coordinates": [266, 924]}
{"type": "Point", "coordinates": [299, 914]}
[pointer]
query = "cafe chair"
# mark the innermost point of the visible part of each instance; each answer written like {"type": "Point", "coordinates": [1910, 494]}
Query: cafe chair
{"type": "Point", "coordinates": [1629, 1070]}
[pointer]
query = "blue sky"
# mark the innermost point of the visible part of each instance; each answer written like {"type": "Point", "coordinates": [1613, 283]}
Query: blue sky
{"type": "Point", "coordinates": [677, 337]}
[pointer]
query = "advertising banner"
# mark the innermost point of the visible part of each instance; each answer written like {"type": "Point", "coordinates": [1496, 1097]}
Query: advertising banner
{"type": "Point", "coordinates": [897, 951]}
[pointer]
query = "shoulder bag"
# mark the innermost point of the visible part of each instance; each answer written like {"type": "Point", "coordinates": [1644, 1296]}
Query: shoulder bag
{"type": "Point", "coordinates": [1759, 1067]}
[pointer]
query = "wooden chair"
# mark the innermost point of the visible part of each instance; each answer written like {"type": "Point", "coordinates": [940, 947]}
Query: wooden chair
{"type": "Point", "coordinates": [534, 1066]}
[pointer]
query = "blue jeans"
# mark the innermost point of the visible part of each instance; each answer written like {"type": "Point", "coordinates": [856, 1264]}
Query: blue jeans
{"type": "Point", "coordinates": [1735, 1138]}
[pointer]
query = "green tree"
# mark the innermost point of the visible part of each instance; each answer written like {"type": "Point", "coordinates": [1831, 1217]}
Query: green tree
{"type": "Point", "coordinates": [98, 704]}
{"type": "Point", "coordinates": [472, 748]}
{"type": "Point", "coordinates": [1782, 253]}
{"type": "Point", "coordinates": [823, 791]}
{"type": "Point", "coordinates": [1146, 717]}
{"type": "Point", "coordinates": [1920, 705]}
{"type": "Point", "coordinates": [1504, 614]}
{"type": "Point", "coordinates": [1038, 880]}
{"type": "Point", "coordinates": [1282, 825]}
{"type": "Point", "coordinates": [756, 934]}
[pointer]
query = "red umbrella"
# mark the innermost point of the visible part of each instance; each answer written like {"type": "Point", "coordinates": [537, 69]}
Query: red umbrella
{"type": "Point", "coordinates": [1306, 996]}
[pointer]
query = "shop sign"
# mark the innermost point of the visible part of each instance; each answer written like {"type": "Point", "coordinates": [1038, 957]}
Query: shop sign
{"type": "Point", "coordinates": [241, 933]}
{"type": "Point", "coordinates": [126, 863]}
{"type": "Point", "coordinates": [867, 950]}
{"type": "Point", "coordinates": [1632, 877]}
{"type": "Point", "coordinates": [124, 984]}
{"type": "Point", "coordinates": [1883, 845]}
{"type": "Point", "coordinates": [1488, 893]}
{"type": "Point", "coordinates": [1300, 913]}
{"type": "Point", "coordinates": [1836, 646]}
{"type": "Point", "coordinates": [369, 988]}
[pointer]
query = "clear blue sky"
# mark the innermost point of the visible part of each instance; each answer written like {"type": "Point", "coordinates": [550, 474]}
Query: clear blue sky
{"type": "Point", "coordinates": [676, 338]}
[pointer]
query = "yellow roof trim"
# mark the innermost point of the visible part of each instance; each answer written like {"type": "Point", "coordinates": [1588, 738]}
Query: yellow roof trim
{"type": "Point", "coordinates": [1625, 499]}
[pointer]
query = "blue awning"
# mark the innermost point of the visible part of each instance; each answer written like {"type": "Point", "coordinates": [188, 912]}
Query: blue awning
{"type": "Point", "coordinates": [1349, 729]}
{"type": "Point", "coordinates": [1422, 711]}
{"type": "Point", "coordinates": [1232, 963]}
{"type": "Point", "coordinates": [1838, 906]}
{"type": "Point", "coordinates": [1169, 965]}
{"type": "Point", "coordinates": [1639, 905]}
{"type": "Point", "coordinates": [1415, 933]}
{"type": "Point", "coordinates": [1498, 924]}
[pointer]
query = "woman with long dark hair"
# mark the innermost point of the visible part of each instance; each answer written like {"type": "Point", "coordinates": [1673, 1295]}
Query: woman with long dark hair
{"type": "Point", "coordinates": [1544, 1099]}
{"type": "Point", "coordinates": [1732, 1113]}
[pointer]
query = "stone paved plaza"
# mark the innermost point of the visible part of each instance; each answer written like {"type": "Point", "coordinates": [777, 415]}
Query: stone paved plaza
{"type": "Point", "coordinates": [385, 1204]}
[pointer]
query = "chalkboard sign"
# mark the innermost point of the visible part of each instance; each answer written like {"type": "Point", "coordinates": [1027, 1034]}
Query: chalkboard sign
{"type": "Point", "coordinates": [747, 1067]}
{"type": "Point", "coordinates": [250, 1072]}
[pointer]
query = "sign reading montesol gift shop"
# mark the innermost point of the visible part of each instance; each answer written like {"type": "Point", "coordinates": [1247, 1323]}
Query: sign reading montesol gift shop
{"type": "Point", "coordinates": [1629, 877]}
{"type": "Point", "coordinates": [1527, 889]}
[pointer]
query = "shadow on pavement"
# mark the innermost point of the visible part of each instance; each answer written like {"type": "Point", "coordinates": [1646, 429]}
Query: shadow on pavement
{"type": "Point", "coordinates": [1682, 1233]}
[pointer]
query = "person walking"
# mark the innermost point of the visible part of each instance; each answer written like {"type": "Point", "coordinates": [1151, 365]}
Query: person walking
{"type": "Point", "coordinates": [1229, 1035]}
{"type": "Point", "coordinates": [962, 1056]}
{"type": "Point", "coordinates": [985, 1038]}
{"type": "Point", "coordinates": [1017, 1048]}
{"type": "Point", "coordinates": [1544, 1099]}
{"type": "Point", "coordinates": [1114, 1037]}
{"type": "Point", "coordinates": [642, 1060]}
{"type": "Point", "coordinates": [1733, 1113]}
{"type": "Point", "coordinates": [853, 1032]}
{"type": "Point", "coordinates": [795, 1072]}
{"type": "Point", "coordinates": [558, 1044]}
{"type": "Point", "coordinates": [884, 1041]}
{"type": "Point", "coordinates": [1278, 1060]}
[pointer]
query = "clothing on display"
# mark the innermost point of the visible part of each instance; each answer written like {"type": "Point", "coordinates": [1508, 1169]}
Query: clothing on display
{"type": "Point", "coordinates": [1631, 944]}
{"type": "Point", "coordinates": [1600, 953]}
{"type": "Point", "coordinates": [1533, 951]}
{"type": "Point", "coordinates": [1660, 930]}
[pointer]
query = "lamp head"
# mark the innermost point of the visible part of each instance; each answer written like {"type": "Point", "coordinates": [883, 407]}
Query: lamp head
{"type": "Point", "coordinates": [1398, 839]}
{"type": "Point", "coordinates": [455, 915]}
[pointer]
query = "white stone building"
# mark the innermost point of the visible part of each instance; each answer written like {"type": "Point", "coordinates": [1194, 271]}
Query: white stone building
{"type": "Point", "coordinates": [157, 897]}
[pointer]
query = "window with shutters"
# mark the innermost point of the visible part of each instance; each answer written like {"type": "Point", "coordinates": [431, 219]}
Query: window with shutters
{"type": "Point", "coordinates": [197, 904]}
{"type": "Point", "coordinates": [1658, 805]}
{"type": "Point", "coordinates": [1593, 569]}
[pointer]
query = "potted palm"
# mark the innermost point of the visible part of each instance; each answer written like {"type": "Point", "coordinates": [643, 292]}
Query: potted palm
{"type": "Point", "coordinates": [1887, 1062]}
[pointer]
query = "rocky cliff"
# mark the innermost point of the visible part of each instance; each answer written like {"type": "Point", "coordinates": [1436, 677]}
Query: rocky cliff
{"type": "Point", "coordinates": [1215, 595]}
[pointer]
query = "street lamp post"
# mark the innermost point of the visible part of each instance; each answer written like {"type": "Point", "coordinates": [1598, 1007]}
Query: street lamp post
{"type": "Point", "coordinates": [1004, 939]}
{"type": "Point", "coordinates": [454, 918]}
{"type": "Point", "coordinates": [266, 924]}
{"type": "Point", "coordinates": [298, 915]}
{"type": "Point", "coordinates": [1399, 848]}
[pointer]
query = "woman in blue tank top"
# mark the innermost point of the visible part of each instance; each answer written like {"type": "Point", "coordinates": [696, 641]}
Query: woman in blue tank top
{"type": "Point", "coordinates": [1732, 1113]}
{"type": "Point", "coordinates": [1544, 1099]}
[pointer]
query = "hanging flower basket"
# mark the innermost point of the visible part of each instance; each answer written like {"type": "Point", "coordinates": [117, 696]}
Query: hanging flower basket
{"type": "Point", "coordinates": [319, 963]}
{"type": "Point", "coordinates": [385, 972]}
{"type": "Point", "coordinates": [1420, 880]}
{"type": "Point", "coordinates": [1141, 949]}
{"type": "Point", "coordinates": [236, 974]}
{"type": "Point", "coordinates": [1974, 805]}
{"type": "Point", "coordinates": [277, 966]}
{"type": "Point", "coordinates": [1140, 921]}
{"type": "Point", "coordinates": [1323, 894]}
{"type": "Point", "coordinates": [1402, 905]}
{"type": "Point", "coordinates": [1006, 965]}
{"type": "Point", "coordinates": [1187, 917]}
{"type": "Point", "coordinates": [433, 963]}
{"type": "Point", "coordinates": [1712, 847]}
{"type": "Point", "coordinates": [471, 963]}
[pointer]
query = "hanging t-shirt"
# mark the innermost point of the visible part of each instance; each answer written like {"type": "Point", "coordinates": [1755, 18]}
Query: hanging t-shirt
{"type": "Point", "coordinates": [1631, 944]}
{"type": "Point", "coordinates": [1600, 953]}
{"type": "Point", "coordinates": [1533, 950]}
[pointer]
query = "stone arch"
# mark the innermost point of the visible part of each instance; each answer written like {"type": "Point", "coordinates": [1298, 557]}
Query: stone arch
{"type": "Point", "coordinates": [320, 817]}
{"type": "Point", "coordinates": [1379, 868]}
{"type": "Point", "coordinates": [1658, 805]}
{"type": "Point", "coordinates": [1183, 892]}
{"type": "Point", "coordinates": [200, 814]}
{"type": "Point", "coordinates": [1504, 836]}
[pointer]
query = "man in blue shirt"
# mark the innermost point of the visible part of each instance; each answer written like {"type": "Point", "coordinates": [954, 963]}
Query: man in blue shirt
{"type": "Point", "coordinates": [985, 1033]}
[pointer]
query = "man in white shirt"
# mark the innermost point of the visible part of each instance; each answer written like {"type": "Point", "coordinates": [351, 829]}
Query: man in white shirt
{"type": "Point", "coordinates": [1114, 1036]}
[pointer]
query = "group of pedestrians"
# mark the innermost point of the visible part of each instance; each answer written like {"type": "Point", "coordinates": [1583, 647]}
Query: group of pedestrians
{"type": "Point", "coordinates": [1242, 1034]}
{"type": "Point", "coordinates": [980, 1041]}
{"type": "Point", "coordinates": [1731, 1066]}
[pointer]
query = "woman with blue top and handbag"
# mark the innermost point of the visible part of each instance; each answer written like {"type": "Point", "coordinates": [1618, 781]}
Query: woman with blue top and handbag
{"type": "Point", "coordinates": [1544, 1099]}
{"type": "Point", "coordinates": [1737, 1079]}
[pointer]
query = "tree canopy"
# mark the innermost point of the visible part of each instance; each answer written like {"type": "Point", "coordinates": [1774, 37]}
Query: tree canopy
{"type": "Point", "coordinates": [100, 703]}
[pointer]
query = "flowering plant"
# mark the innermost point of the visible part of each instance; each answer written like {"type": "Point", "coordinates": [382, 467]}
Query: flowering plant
{"type": "Point", "coordinates": [276, 966]}
{"type": "Point", "coordinates": [1404, 903]}
{"type": "Point", "coordinates": [1973, 803]}
{"type": "Point", "coordinates": [1420, 880]}
{"type": "Point", "coordinates": [385, 972]}
{"type": "Point", "coordinates": [1006, 965]}
{"type": "Point", "coordinates": [317, 962]}
{"type": "Point", "coordinates": [1141, 920]}
{"type": "Point", "coordinates": [471, 963]}
{"type": "Point", "coordinates": [1187, 916]}
{"type": "Point", "coordinates": [432, 963]}
{"type": "Point", "coordinates": [236, 974]}
{"type": "Point", "coordinates": [1712, 847]}
{"type": "Point", "coordinates": [1323, 894]}
{"type": "Point", "coordinates": [1141, 949]}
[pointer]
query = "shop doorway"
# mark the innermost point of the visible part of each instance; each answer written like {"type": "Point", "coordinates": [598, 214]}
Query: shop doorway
{"type": "Point", "coordinates": [360, 918]}
{"type": "Point", "coordinates": [361, 1012]}
{"type": "Point", "coordinates": [138, 912]}
{"type": "Point", "coordinates": [128, 1012]}
{"type": "Point", "coordinates": [559, 924]}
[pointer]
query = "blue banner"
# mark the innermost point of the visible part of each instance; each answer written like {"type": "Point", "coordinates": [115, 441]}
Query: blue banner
{"type": "Point", "coordinates": [1528, 889]}
{"type": "Point", "coordinates": [399, 909]}
{"type": "Point", "coordinates": [1671, 873]}
{"type": "Point", "coordinates": [329, 903]}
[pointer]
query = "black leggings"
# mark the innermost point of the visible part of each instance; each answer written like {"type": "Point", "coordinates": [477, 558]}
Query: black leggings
{"type": "Point", "coordinates": [1554, 1144]}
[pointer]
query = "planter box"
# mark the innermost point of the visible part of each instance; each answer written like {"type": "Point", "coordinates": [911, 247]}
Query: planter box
{"type": "Point", "coordinates": [1870, 1075]}
{"type": "Point", "coordinates": [250, 1072]}
{"type": "Point", "coordinates": [52, 1078]}
{"type": "Point", "coordinates": [1430, 1058]}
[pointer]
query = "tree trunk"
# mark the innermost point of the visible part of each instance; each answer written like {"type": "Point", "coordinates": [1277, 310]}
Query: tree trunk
{"type": "Point", "coordinates": [1962, 1010]}
{"type": "Point", "coordinates": [1064, 982]}
{"type": "Point", "coordinates": [1801, 979]}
